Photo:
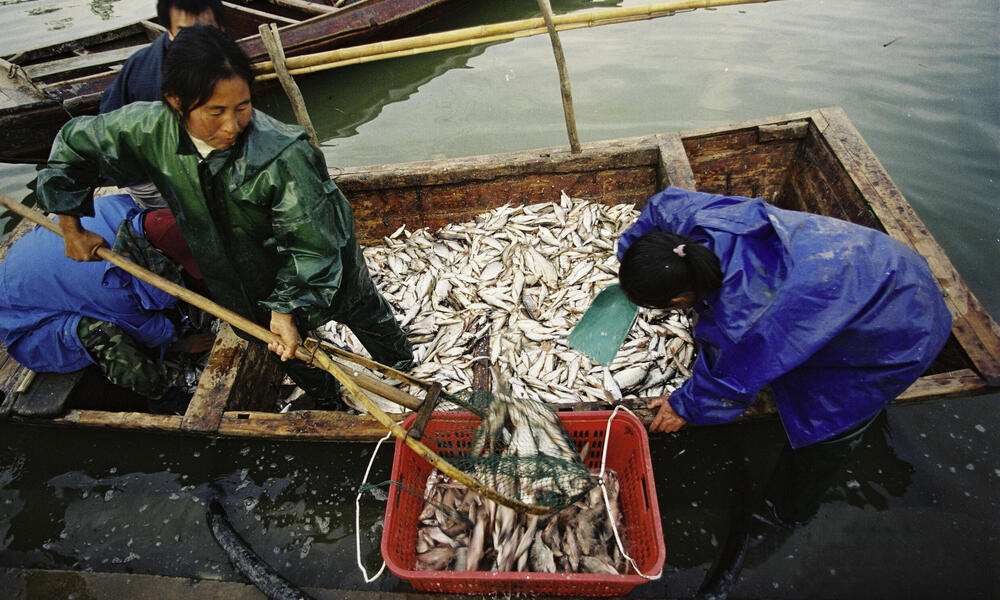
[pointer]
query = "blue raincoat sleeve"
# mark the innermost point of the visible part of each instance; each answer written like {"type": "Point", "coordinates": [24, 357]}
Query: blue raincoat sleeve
{"type": "Point", "coordinates": [837, 318]}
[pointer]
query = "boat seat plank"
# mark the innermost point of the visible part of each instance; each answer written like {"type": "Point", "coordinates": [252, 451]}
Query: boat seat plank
{"type": "Point", "coordinates": [256, 16]}
{"type": "Point", "coordinates": [18, 91]}
{"type": "Point", "coordinates": [44, 394]}
{"type": "Point", "coordinates": [795, 130]}
{"type": "Point", "coordinates": [978, 333]}
{"type": "Point", "coordinates": [83, 62]}
{"type": "Point", "coordinates": [204, 412]}
{"type": "Point", "coordinates": [239, 375]}
{"type": "Point", "coordinates": [674, 168]}
{"type": "Point", "coordinates": [306, 425]}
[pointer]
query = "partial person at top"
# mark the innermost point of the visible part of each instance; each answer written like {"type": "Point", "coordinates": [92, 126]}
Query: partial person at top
{"type": "Point", "coordinates": [271, 233]}
{"type": "Point", "coordinates": [142, 75]}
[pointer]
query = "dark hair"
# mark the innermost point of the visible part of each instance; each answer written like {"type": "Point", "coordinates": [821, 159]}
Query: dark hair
{"type": "Point", "coordinates": [652, 273]}
{"type": "Point", "coordinates": [199, 57]}
{"type": "Point", "coordinates": [192, 7]}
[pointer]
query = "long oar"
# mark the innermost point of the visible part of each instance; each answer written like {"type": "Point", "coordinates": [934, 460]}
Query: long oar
{"type": "Point", "coordinates": [312, 355]}
{"type": "Point", "coordinates": [483, 34]}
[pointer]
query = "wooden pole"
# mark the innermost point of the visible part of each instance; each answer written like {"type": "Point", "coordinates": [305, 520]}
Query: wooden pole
{"type": "Point", "coordinates": [272, 41]}
{"type": "Point", "coordinates": [310, 354]}
{"type": "Point", "coordinates": [482, 34]}
{"type": "Point", "coordinates": [567, 96]}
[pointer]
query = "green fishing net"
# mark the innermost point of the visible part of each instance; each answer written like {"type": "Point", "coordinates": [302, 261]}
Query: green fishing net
{"type": "Point", "coordinates": [519, 447]}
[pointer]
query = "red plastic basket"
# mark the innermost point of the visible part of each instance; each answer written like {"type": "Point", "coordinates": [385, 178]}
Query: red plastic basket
{"type": "Point", "coordinates": [449, 433]}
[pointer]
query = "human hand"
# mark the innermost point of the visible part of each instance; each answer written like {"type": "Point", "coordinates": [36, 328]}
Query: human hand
{"type": "Point", "coordinates": [665, 420]}
{"type": "Point", "coordinates": [195, 343]}
{"type": "Point", "coordinates": [81, 244]}
{"type": "Point", "coordinates": [284, 326]}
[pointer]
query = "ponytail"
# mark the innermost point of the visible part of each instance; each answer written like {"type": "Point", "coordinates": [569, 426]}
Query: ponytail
{"type": "Point", "coordinates": [660, 266]}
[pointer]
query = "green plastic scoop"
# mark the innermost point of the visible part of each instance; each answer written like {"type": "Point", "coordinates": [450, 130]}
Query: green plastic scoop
{"type": "Point", "coordinates": [603, 328]}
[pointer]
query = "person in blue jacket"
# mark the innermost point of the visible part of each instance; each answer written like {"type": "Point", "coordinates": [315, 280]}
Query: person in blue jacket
{"type": "Point", "coordinates": [142, 74]}
{"type": "Point", "coordinates": [59, 315]}
{"type": "Point", "coordinates": [837, 319]}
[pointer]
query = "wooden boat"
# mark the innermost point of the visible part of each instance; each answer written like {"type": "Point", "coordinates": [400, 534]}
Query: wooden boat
{"type": "Point", "coordinates": [50, 84]}
{"type": "Point", "coordinates": [814, 161]}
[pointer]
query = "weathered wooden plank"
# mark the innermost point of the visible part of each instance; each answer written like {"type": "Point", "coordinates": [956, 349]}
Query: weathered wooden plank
{"type": "Point", "coordinates": [124, 32]}
{"type": "Point", "coordinates": [304, 425]}
{"type": "Point", "coordinates": [152, 30]}
{"type": "Point", "coordinates": [379, 212]}
{"type": "Point", "coordinates": [961, 382]}
{"type": "Point", "coordinates": [352, 25]}
{"type": "Point", "coordinates": [120, 420]}
{"type": "Point", "coordinates": [77, 64]}
{"type": "Point", "coordinates": [817, 183]}
{"type": "Point", "coordinates": [44, 394]}
{"type": "Point", "coordinates": [794, 130]}
{"type": "Point", "coordinates": [973, 326]}
{"type": "Point", "coordinates": [243, 20]}
{"type": "Point", "coordinates": [674, 168]}
{"type": "Point", "coordinates": [204, 412]}
{"type": "Point", "coordinates": [734, 163]}
{"type": "Point", "coordinates": [17, 92]}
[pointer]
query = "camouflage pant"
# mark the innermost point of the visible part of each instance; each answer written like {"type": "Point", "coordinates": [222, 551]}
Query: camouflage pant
{"type": "Point", "coordinates": [120, 358]}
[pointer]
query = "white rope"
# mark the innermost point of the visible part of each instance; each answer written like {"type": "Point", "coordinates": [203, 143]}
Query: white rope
{"type": "Point", "coordinates": [357, 515]}
{"type": "Point", "coordinates": [607, 501]}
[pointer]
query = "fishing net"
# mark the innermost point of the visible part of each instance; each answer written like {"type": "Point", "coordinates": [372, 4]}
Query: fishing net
{"type": "Point", "coordinates": [518, 447]}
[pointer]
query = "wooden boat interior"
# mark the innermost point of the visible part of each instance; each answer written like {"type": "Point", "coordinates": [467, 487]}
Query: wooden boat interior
{"type": "Point", "coordinates": [814, 161]}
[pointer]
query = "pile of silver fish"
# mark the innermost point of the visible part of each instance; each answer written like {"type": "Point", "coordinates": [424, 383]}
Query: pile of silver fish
{"type": "Point", "coordinates": [462, 531]}
{"type": "Point", "coordinates": [523, 275]}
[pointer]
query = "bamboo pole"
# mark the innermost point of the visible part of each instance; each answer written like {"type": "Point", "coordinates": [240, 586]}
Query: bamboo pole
{"type": "Point", "coordinates": [567, 96]}
{"type": "Point", "coordinates": [483, 34]}
{"type": "Point", "coordinates": [313, 356]}
{"type": "Point", "coordinates": [272, 41]}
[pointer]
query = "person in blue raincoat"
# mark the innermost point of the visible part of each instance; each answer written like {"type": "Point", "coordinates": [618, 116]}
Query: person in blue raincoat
{"type": "Point", "coordinates": [837, 319]}
{"type": "Point", "coordinates": [59, 315]}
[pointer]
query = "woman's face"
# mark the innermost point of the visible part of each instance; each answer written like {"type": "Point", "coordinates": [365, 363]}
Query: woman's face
{"type": "Point", "coordinates": [219, 121]}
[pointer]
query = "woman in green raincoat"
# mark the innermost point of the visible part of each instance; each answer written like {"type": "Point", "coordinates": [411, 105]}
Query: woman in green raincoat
{"type": "Point", "coordinates": [272, 235]}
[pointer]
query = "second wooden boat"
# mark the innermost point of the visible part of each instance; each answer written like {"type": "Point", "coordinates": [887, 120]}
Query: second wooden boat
{"type": "Point", "coordinates": [47, 85]}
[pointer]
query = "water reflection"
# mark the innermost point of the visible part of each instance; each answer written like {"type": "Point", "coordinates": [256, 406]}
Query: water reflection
{"type": "Point", "coordinates": [341, 102]}
{"type": "Point", "coordinates": [875, 473]}
{"type": "Point", "coordinates": [706, 476]}
{"type": "Point", "coordinates": [133, 503]}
